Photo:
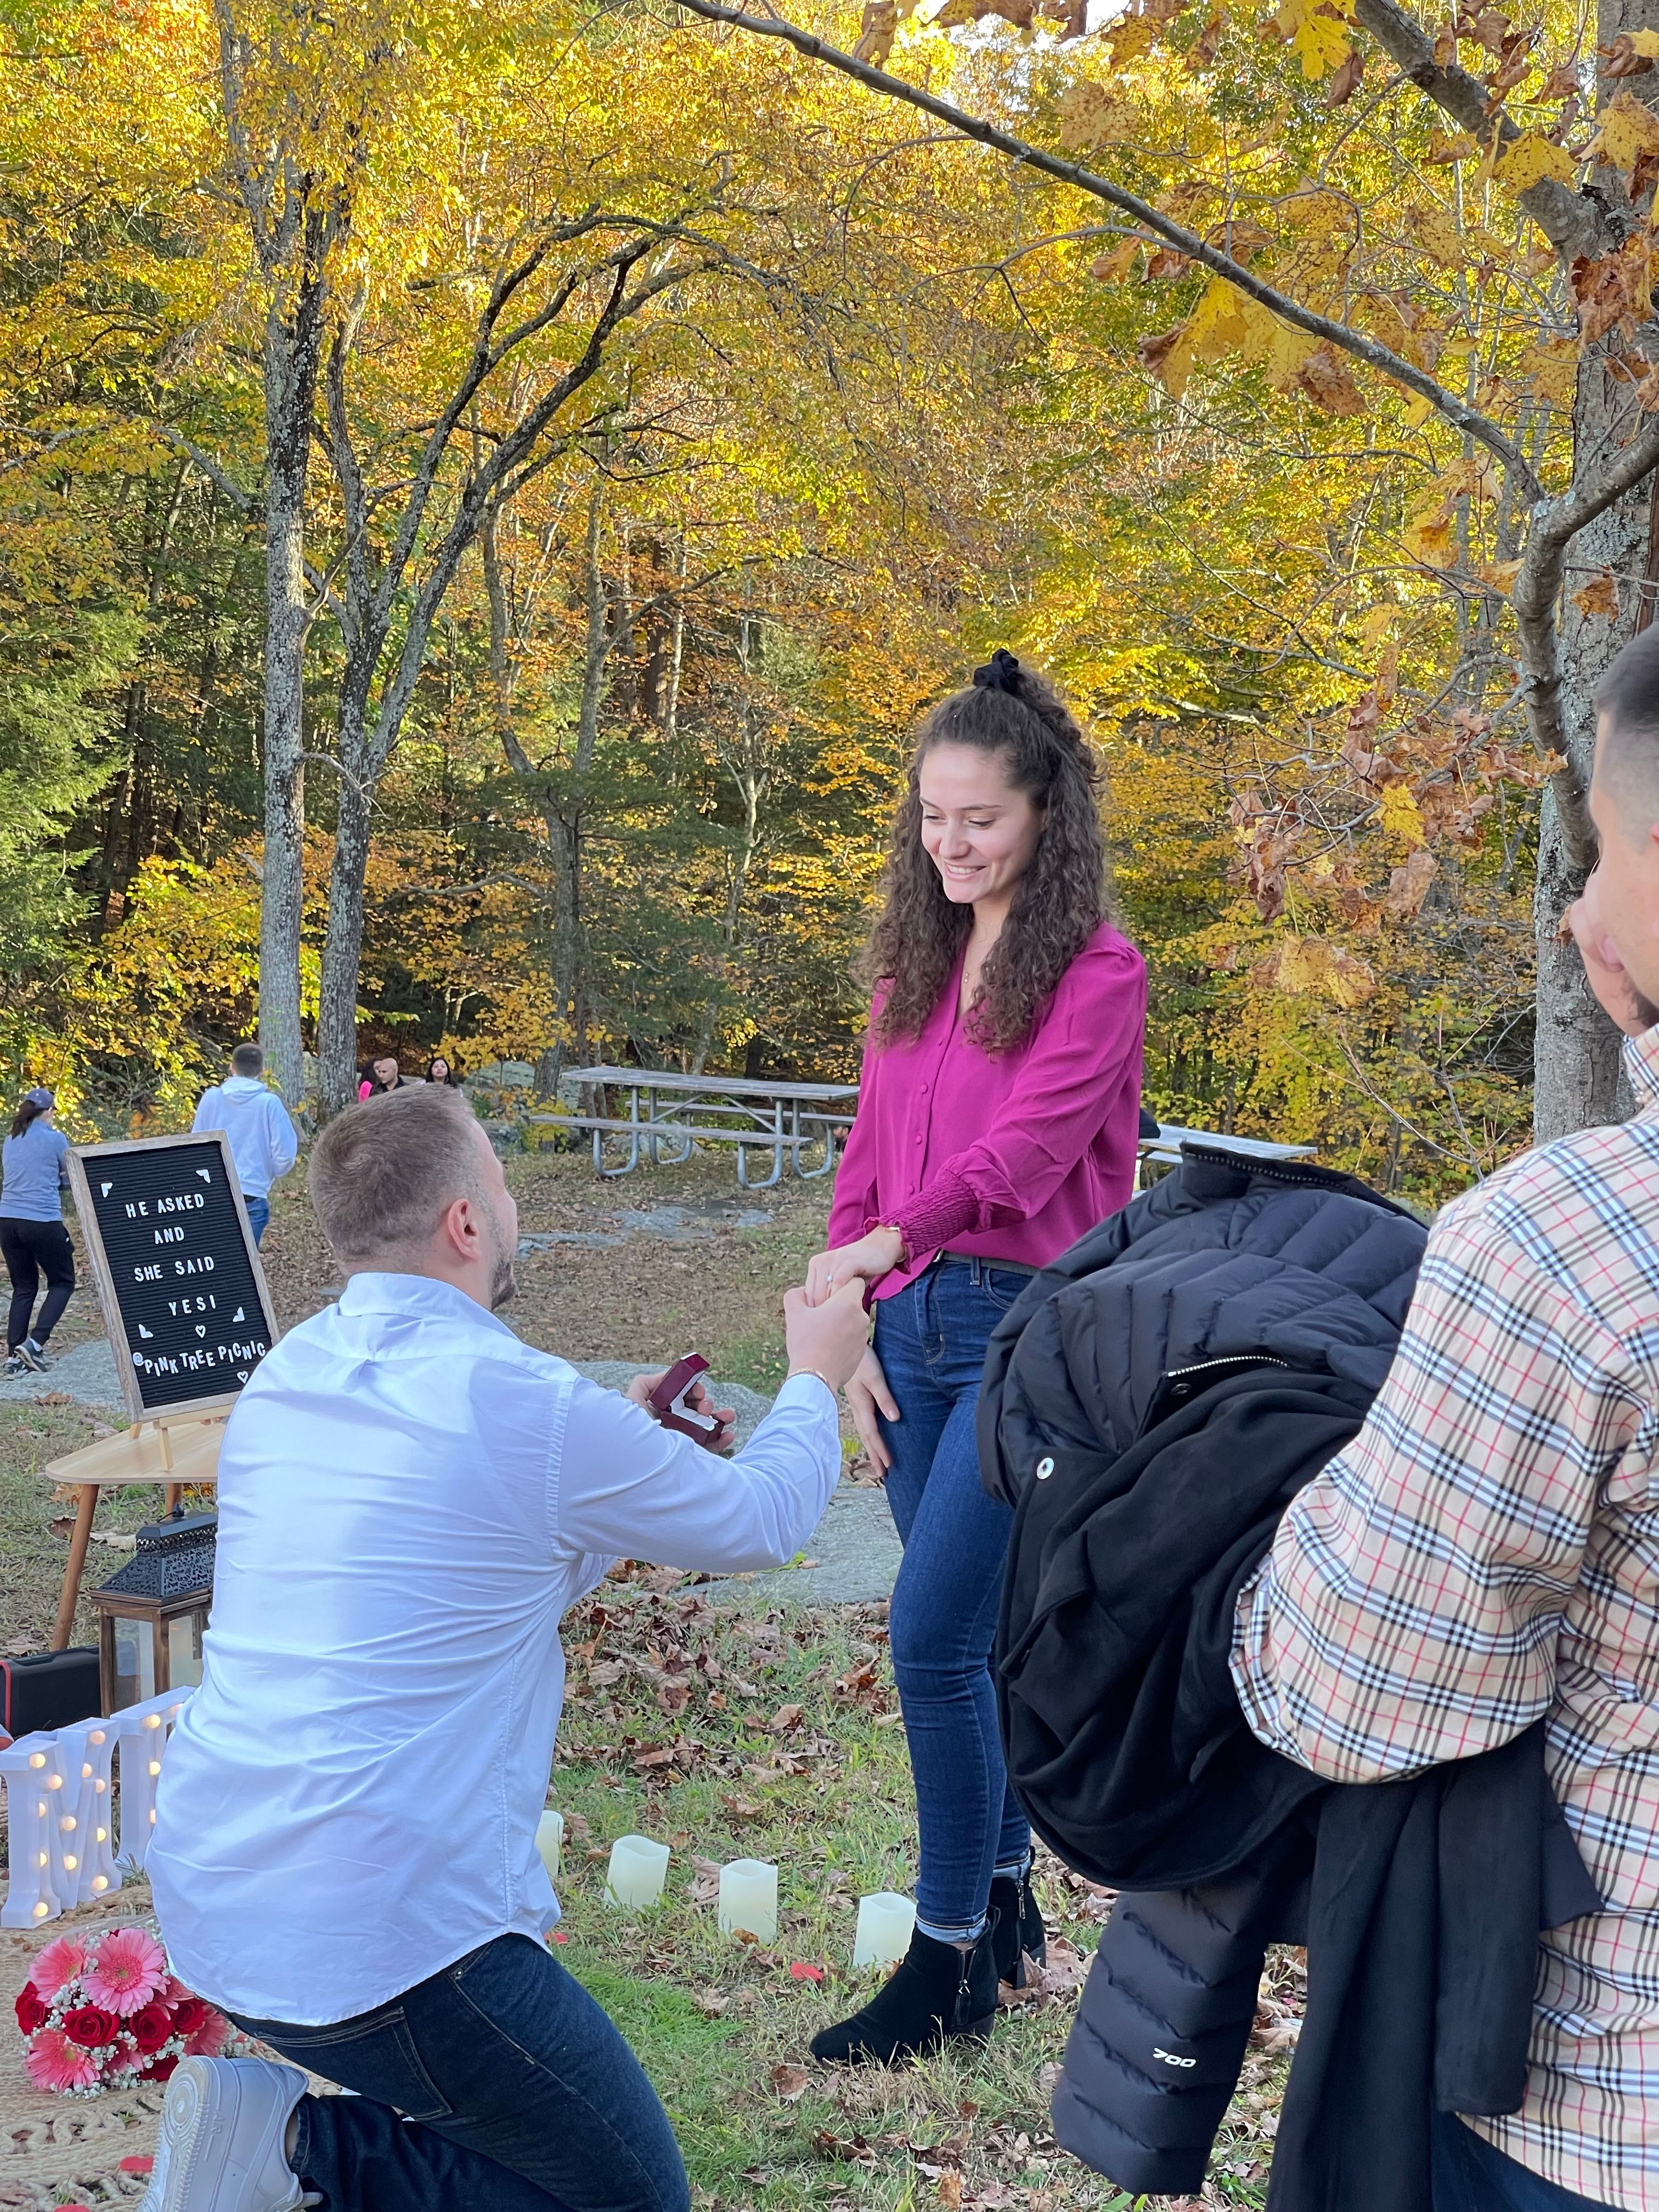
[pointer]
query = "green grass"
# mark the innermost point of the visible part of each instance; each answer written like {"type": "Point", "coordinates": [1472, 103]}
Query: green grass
{"type": "Point", "coordinates": [722, 2026]}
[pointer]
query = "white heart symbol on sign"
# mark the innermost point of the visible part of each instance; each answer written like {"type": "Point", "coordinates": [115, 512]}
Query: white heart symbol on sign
{"type": "Point", "coordinates": [201, 1328]}
{"type": "Point", "coordinates": [241, 1375]}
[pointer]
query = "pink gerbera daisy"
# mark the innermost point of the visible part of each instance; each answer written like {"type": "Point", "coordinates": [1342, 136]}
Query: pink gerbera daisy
{"type": "Point", "coordinates": [60, 1962]}
{"type": "Point", "coordinates": [210, 2037]}
{"type": "Point", "coordinates": [125, 1972]}
{"type": "Point", "coordinates": [56, 2064]}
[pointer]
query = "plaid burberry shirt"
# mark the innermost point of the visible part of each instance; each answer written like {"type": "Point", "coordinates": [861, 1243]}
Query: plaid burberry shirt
{"type": "Point", "coordinates": [1486, 1551]}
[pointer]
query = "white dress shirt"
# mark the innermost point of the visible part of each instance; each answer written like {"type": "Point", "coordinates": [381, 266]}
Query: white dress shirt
{"type": "Point", "coordinates": [262, 1142]}
{"type": "Point", "coordinates": [409, 1500]}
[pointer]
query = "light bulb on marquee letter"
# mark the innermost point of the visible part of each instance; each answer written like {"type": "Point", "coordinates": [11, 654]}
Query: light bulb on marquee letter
{"type": "Point", "coordinates": [31, 1896]}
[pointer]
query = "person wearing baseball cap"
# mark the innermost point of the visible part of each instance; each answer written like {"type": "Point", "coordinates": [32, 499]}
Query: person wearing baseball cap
{"type": "Point", "coordinates": [33, 1237]}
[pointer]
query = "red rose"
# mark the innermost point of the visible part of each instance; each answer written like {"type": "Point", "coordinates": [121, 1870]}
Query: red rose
{"type": "Point", "coordinates": [90, 2027]}
{"type": "Point", "coordinates": [31, 2013]}
{"type": "Point", "coordinates": [188, 2015]}
{"type": "Point", "coordinates": [150, 2027]}
{"type": "Point", "coordinates": [161, 2069]}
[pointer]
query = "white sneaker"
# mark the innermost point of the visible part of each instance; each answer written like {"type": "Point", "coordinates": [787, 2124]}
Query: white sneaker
{"type": "Point", "coordinates": [222, 2130]}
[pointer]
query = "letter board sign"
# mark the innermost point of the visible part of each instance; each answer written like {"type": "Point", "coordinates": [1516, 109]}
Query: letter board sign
{"type": "Point", "coordinates": [179, 1277]}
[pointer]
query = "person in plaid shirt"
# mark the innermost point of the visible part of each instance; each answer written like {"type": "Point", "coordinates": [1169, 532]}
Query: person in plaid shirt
{"type": "Point", "coordinates": [1487, 1550]}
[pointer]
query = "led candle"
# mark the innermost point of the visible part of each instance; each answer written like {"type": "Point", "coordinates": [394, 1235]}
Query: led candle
{"type": "Point", "coordinates": [549, 1842]}
{"type": "Point", "coordinates": [749, 1899]}
{"type": "Point", "coordinates": [886, 1922]}
{"type": "Point", "coordinates": [636, 1872]}
{"type": "Point", "coordinates": [31, 1896]}
{"type": "Point", "coordinates": [88, 1749]}
{"type": "Point", "coordinates": [142, 1733]}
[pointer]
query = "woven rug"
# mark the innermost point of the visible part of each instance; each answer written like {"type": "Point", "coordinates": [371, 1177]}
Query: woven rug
{"type": "Point", "coordinates": [57, 2150]}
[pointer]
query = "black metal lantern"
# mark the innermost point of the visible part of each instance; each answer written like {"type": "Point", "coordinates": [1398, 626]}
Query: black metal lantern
{"type": "Point", "coordinates": [152, 1612]}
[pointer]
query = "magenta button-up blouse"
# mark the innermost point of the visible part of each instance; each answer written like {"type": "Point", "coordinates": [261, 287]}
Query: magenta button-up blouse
{"type": "Point", "coordinates": [1010, 1156]}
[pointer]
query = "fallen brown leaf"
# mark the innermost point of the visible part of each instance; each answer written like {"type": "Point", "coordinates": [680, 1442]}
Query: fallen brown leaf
{"type": "Point", "coordinates": [784, 1718]}
{"type": "Point", "coordinates": [789, 2083]}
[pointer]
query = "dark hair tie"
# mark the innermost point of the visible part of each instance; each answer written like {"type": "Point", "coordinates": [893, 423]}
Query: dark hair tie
{"type": "Point", "coordinates": [999, 673]}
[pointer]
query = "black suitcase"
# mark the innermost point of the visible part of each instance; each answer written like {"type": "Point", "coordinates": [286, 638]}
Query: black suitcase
{"type": "Point", "coordinates": [49, 1690]}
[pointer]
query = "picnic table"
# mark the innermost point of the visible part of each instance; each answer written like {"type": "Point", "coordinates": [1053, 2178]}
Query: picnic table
{"type": "Point", "coordinates": [1163, 1150]}
{"type": "Point", "coordinates": [668, 1113]}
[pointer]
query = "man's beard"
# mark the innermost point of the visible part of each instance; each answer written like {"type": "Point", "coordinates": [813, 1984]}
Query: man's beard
{"type": "Point", "coordinates": [1646, 1013]}
{"type": "Point", "coordinates": [503, 1283]}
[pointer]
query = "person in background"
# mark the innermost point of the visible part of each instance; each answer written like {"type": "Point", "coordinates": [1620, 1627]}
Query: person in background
{"type": "Point", "coordinates": [263, 1143]}
{"type": "Point", "coordinates": [384, 1074]}
{"type": "Point", "coordinates": [1486, 1553]}
{"type": "Point", "coordinates": [438, 1070]}
{"type": "Point", "coordinates": [345, 1855]}
{"type": "Point", "coordinates": [998, 1120]}
{"type": "Point", "coordinates": [33, 1237]}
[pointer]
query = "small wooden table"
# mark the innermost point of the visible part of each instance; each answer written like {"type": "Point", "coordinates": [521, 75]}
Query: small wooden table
{"type": "Point", "coordinates": [669, 1113]}
{"type": "Point", "coordinates": [173, 1451]}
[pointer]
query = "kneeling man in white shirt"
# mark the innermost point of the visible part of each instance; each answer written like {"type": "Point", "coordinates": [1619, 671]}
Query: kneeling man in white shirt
{"type": "Point", "coordinates": [344, 1857]}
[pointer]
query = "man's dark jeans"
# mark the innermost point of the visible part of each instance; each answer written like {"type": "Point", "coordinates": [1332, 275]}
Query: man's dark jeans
{"type": "Point", "coordinates": [1470, 2176]}
{"type": "Point", "coordinates": [497, 2085]}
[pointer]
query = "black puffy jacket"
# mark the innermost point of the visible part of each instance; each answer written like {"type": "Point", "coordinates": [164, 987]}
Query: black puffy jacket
{"type": "Point", "coordinates": [1151, 1404]}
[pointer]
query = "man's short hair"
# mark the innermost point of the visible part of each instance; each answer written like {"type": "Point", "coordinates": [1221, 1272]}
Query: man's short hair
{"type": "Point", "coordinates": [247, 1059]}
{"type": "Point", "coordinates": [1628, 698]}
{"type": "Point", "coordinates": [383, 1171]}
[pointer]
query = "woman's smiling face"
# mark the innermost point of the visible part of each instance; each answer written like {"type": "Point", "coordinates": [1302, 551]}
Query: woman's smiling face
{"type": "Point", "coordinates": [977, 830]}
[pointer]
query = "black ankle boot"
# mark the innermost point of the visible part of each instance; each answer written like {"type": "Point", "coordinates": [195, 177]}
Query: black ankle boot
{"type": "Point", "coordinates": [1016, 1926]}
{"type": "Point", "coordinates": [935, 1992]}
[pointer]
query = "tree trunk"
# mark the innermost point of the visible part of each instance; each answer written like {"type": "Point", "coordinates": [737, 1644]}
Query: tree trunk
{"type": "Point", "coordinates": [292, 356]}
{"type": "Point", "coordinates": [1577, 1077]}
{"type": "Point", "coordinates": [337, 1019]}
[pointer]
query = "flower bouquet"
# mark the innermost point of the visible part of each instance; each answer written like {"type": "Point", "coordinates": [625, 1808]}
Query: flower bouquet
{"type": "Point", "coordinates": [102, 2012]}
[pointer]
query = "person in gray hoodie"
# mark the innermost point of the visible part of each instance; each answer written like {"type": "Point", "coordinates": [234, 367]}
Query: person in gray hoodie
{"type": "Point", "coordinates": [262, 1139]}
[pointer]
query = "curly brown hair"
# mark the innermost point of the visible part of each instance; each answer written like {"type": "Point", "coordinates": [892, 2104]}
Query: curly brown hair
{"type": "Point", "coordinates": [1060, 901]}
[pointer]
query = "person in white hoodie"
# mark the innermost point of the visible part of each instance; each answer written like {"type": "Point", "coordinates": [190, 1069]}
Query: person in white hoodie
{"type": "Point", "coordinates": [262, 1139]}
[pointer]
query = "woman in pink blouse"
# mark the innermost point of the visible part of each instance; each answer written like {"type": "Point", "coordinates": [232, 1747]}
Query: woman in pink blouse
{"type": "Point", "coordinates": [996, 1123]}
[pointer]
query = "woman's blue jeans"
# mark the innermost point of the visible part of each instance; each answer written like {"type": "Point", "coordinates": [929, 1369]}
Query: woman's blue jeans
{"type": "Point", "coordinates": [931, 1339]}
{"type": "Point", "coordinates": [496, 2086]}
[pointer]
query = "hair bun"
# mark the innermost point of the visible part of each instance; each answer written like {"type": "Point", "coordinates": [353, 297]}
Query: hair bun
{"type": "Point", "coordinates": [1002, 672]}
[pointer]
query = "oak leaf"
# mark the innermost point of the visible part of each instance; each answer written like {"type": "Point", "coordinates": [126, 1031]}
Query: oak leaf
{"type": "Point", "coordinates": [789, 2083]}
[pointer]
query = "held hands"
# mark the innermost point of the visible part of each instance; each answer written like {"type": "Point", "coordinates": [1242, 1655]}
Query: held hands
{"type": "Point", "coordinates": [827, 1338]}
{"type": "Point", "coordinates": [697, 1400]}
{"type": "Point", "coordinates": [871, 1257]}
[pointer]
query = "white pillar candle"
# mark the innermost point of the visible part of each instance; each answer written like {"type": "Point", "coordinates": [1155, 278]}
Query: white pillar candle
{"type": "Point", "coordinates": [549, 1842]}
{"type": "Point", "coordinates": [749, 1899]}
{"type": "Point", "coordinates": [31, 1896]}
{"type": "Point", "coordinates": [886, 1922]}
{"type": "Point", "coordinates": [88, 1750]}
{"type": "Point", "coordinates": [638, 1867]}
